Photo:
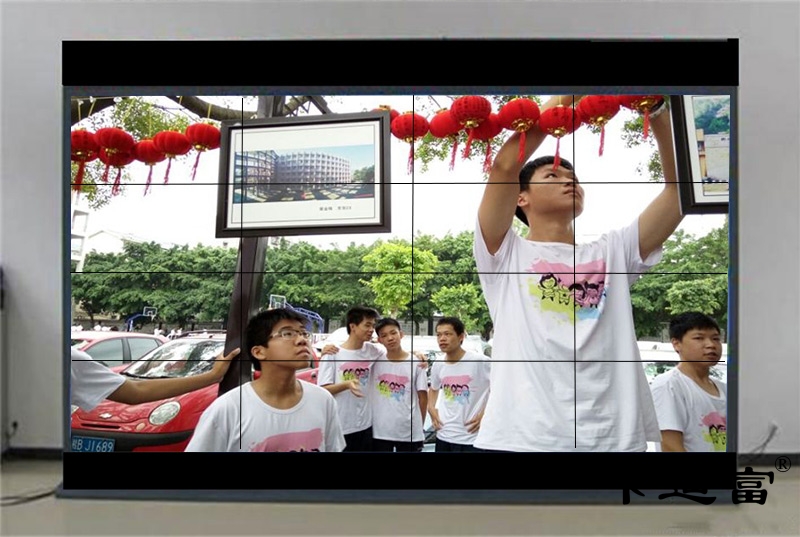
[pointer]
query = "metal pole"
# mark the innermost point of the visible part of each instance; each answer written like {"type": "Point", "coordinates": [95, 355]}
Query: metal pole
{"type": "Point", "coordinates": [247, 283]}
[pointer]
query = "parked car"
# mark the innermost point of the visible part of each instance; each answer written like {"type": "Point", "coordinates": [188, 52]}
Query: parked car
{"type": "Point", "coordinates": [115, 348]}
{"type": "Point", "coordinates": [165, 425]}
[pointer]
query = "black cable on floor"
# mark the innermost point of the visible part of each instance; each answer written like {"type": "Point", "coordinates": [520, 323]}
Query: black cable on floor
{"type": "Point", "coordinates": [19, 499]}
{"type": "Point", "coordinates": [748, 458]}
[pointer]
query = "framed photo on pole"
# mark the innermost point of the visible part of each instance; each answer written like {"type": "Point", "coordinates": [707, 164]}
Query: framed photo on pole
{"type": "Point", "coordinates": [704, 133]}
{"type": "Point", "coordinates": [307, 175]}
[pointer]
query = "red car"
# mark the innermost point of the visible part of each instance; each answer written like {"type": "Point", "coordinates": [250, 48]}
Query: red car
{"type": "Point", "coordinates": [165, 425]}
{"type": "Point", "coordinates": [114, 348]}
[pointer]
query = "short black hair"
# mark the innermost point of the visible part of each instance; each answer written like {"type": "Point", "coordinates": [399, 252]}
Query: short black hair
{"type": "Point", "coordinates": [387, 321]}
{"type": "Point", "coordinates": [455, 322]}
{"type": "Point", "coordinates": [261, 325]}
{"type": "Point", "coordinates": [691, 320]}
{"type": "Point", "coordinates": [357, 314]}
{"type": "Point", "coordinates": [527, 172]}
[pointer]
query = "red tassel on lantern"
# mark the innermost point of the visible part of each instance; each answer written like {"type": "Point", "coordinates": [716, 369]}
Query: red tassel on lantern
{"type": "Point", "coordinates": [117, 159]}
{"type": "Point", "coordinates": [408, 127]}
{"type": "Point", "coordinates": [642, 104]}
{"type": "Point", "coordinates": [558, 122]}
{"type": "Point", "coordinates": [470, 111]}
{"type": "Point", "coordinates": [113, 140]}
{"type": "Point", "coordinates": [443, 125]}
{"type": "Point", "coordinates": [598, 110]}
{"type": "Point", "coordinates": [147, 152]}
{"type": "Point", "coordinates": [487, 130]}
{"type": "Point", "coordinates": [203, 137]}
{"type": "Point", "coordinates": [519, 115]}
{"type": "Point", "coordinates": [172, 144]}
{"type": "Point", "coordinates": [83, 149]}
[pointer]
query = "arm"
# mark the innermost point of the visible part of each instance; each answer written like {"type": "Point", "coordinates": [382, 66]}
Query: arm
{"type": "Point", "coordinates": [353, 385]}
{"type": "Point", "coordinates": [496, 211]}
{"type": "Point", "coordinates": [423, 403]}
{"type": "Point", "coordinates": [672, 441]}
{"type": "Point", "coordinates": [660, 219]}
{"type": "Point", "coordinates": [432, 397]}
{"type": "Point", "coordinates": [144, 391]}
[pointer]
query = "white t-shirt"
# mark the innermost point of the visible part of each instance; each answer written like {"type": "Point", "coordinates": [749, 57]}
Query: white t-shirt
{"type": "Point", "coordinates": [463, 387]}
{"type": "Point", "coordinates": [355, 413]}
{"type": "Point", "coordinates": [91, 382]}
{"type": "Point", "coordinates": [684, 406]}
{"type": "Point", "coordinates": [394, 393]}
{"type": "Point", "coordinates": [565, 345]}
{"type": "Point", "coordinates": [311, 425]}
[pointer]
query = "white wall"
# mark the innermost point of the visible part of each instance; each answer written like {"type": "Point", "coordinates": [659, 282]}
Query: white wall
{"type": "Point", "coordinates": [769, 120]}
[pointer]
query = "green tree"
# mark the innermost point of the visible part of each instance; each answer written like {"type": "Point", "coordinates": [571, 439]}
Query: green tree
{"type": "Point", "coordinates": [693, 275]}
{"type": "Point", "coordinates": [392, 264]}
{"type": "Point", "coordinates": [463, 301]}
{"type": "Point", "coordinates": [183, 283]}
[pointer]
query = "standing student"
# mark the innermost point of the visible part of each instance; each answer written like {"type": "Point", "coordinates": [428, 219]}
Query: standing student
{"type": "Point", "coordinates": [346, 374]}
{"type": "Point", "coordinates": [459, 389]}
{"type": "Point", "coordinates": [566, 373]}
{"type": "Point", "coordinates": [399, 394]}
{"type": "Point", "coordinates": [275, 412]}
{"type": "Point", "coordinates": [691, 405]}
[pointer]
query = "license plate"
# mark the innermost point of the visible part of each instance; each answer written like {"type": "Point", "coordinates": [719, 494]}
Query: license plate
{"type": "Point", "coordinates": [97, 445]}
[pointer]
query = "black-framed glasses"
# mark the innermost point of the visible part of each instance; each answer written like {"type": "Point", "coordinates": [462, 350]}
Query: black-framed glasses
{"type": "Point", "coordinates": [290, 333]}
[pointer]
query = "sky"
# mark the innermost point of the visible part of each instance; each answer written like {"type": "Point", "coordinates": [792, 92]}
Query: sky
{"type": "Point", "coordinates": [435, 202]}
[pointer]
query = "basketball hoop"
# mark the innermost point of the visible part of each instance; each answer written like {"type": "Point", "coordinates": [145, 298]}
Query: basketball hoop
{"type": "Point", "coordinates": [150, 312]}
{"type": "Point", "coordinates": [276, 301]}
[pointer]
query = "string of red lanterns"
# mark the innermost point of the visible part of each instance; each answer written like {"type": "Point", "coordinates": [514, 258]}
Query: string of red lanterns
{"type": "Point", "coordinates": [470, 114]}
{"type": "Point", "coordinates": [116, 149]}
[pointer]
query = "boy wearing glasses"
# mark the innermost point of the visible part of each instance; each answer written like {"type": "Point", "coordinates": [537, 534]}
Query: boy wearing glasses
{"type": "Point", "coordinates": [276, 412]}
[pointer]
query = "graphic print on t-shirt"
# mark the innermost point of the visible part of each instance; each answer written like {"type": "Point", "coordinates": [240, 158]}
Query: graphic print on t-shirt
{"type": "Point", "coordinates": [355, 371]}
{"type": "Point", "coordinates": [393, 386]}
{"type": "Point", "coordinates": [715, 430]}
{"type": "Point", "coordinates": [578, 294]}
{"type": "Point", "coordinates": [456, 388]}
{"type": "Point", "coordinates": [301, 441]}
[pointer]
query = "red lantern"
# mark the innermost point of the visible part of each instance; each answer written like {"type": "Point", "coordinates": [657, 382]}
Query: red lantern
{"type": "Point", "coordinates": [642, 104]}
{"type": "Point", "coordinates": [519, 115]}
{"type": "Point", "coordinates": [559, 121]}
{"type": "Point", "coordinates": [598, 110]}
{"type": "Point", "coordinates": [443, 125]}
{"type": "Point", "coordinates": [203, 137]}
{"type": "Point", "coordinates": [487, 130]}
{"type": "Point", "coordinates": [117, 159]}
{"type": "Point", "coordinates": [408, 127]}
{"type": "Point", "coordinates": [83, 149]}
{"type": "Point", "coordinates": [113, 140]}
{"type": "Point", "coordinates": [470, 111]}
{"type": "Point", "coordinates": [392, 112]}
{"type": "Point", "coordinates": [147, 152]}
{"type": "Point", "coordinates": [172, 144]}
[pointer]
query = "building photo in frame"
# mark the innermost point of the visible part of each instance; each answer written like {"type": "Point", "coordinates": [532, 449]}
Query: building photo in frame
{"type": "Point", "coordinates": [704, 136]}
{"type": "Point", "coordinates": [304, 175]}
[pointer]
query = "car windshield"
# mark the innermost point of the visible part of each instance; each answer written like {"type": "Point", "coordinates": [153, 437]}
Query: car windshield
{"type": "Point", "coordinates": [182, 358]}
{"type": "Point", "coordinates": [75, 343]}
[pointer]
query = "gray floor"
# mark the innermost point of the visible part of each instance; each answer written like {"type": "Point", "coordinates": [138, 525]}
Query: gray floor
{"type": "Point", "coordinates": [50, 516]}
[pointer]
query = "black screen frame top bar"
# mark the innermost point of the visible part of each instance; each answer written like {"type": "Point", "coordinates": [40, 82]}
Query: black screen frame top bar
{"type": "Point", "coordinates": [597, 62]}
